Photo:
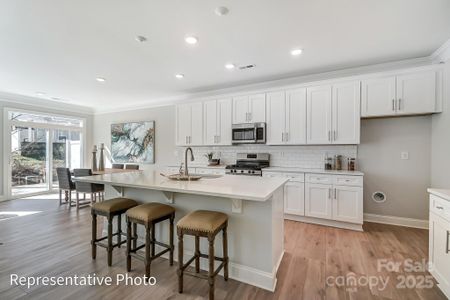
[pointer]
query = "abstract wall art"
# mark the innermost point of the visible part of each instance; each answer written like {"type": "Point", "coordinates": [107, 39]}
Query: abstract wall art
{"type": "Point", "coordinates": [133, 142]}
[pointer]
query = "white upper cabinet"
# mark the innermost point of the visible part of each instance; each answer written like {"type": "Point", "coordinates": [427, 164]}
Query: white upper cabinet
{"type": "Point", "coordinates": [189, 119]}
{"type": "Point", "coordinates": [346, 113]}
{"type": "Point", "coordinates": [286, 117]}
{"type": "Point", "coordinates": [319, 115]}
{"type": "Point", "coordinates": [333, 114]}
{"type": "Point", "coordinates": [249, 109]}
{"type": "Point", "coordinates": [406, 94]}
{"type": "Point", "coordinates": [416, 93]}
{"type": "Point", "coordinates": [217, 116]}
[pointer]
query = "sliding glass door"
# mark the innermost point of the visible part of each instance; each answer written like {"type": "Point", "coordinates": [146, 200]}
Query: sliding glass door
{"type": "Point", "coordinates": [29, 160]}
{"type": "Point", "coordinates": [38, 145]}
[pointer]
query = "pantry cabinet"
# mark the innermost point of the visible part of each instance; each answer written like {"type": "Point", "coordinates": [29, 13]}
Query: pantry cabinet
{"type": "Point", "coordinates": [404, 94]}
{"type": "Point", "coordinates": [286, 117]}
{"type": "Point", "coordinates": [249, 109]}
{"type": "Point", "coordinates": [333, 114]}
{"type": "Point", "coordinates": [217, 116]}
{"type": "Point", "coordinates": [189, 124]}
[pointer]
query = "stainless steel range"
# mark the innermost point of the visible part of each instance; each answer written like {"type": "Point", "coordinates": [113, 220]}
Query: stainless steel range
{"type": "Point", "coordinates": [249, 164]}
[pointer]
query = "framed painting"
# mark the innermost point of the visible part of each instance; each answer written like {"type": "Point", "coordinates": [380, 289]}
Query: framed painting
{"type": "Point", "coordinates": [133, 142]}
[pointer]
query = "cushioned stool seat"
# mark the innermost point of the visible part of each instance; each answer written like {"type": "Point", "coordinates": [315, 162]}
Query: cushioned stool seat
{"type": "Point", "coordinates": [114, 205]}
{"type": "Point", "coordinates": [149, 211]}
{"type": "Point", "coordinates": [203, 220]}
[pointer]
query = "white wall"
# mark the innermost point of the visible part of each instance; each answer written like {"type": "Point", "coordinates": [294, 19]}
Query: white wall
{"type": "Point", "coordinates": [404, 181]}
{"type": "Point", "coordinates": [440, 159]}
{"type": "Point", "coordinates": [5, 102]}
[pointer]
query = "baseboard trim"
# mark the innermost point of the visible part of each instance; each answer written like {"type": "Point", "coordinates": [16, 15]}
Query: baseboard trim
{"type": "Point", "coordinates": [324, 222]}
{"type": "Point", "coordinates": [399, 221]}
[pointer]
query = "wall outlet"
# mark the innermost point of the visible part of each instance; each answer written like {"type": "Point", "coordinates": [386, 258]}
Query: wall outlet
{"type": "Point", "coordinates": [404, 155]}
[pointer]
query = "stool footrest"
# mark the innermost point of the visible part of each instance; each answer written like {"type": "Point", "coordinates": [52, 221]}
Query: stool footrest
{"type": "Point", "coordinates": [106, 246]}
{"type": "Point", "coordinates": [140, 257]}
{"type": "Point", "coordinates": [204, 275]}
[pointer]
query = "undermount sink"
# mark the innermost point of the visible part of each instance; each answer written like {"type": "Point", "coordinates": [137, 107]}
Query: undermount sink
{"type": "Point", "coordinates": [190, 177]}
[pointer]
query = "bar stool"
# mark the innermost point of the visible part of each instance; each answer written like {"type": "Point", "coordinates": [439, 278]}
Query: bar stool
{"type": "Point", "coordinates": [109, 209]}
{"type": "Point", "coordinates": [203, 223]}
{"type": "Point", "coordinates": [148, 215]}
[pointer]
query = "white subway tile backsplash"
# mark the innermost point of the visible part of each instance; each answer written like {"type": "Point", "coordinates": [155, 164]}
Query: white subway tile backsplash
{"type": "Point", "coordinates": [280, 156]}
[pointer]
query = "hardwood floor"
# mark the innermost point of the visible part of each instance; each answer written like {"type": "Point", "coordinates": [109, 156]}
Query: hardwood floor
{"type": "Point", "coordinates": [56, 242]}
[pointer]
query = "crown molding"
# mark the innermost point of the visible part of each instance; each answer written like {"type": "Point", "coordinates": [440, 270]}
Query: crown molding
{"type": "Point", "coordinates": [442, 54]}
{"type": "Point", "coordinates": [45, 104]}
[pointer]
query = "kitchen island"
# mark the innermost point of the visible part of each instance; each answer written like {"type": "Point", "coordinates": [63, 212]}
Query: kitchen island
{"type": "Point", "coordinates": [254, 206]}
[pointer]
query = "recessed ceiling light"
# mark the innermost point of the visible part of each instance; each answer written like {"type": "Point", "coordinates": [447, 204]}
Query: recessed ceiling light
{"type": "Point", "coordinates": [100, 79]}
{"type": "Point", "coordinates": [141, 38]}
{"type": "Point", "coordinates": [296, 52]}
{"type": "Point", "coordinates": [41, 94]}
{"type": "Point", "coordinates": [192, 40]}
{"type": "Point", "coordinates": [221, 11]}
{"type": "Point", "coordinates": [179, 76]}
{"type": "Point", "coordinates": [230, 66]}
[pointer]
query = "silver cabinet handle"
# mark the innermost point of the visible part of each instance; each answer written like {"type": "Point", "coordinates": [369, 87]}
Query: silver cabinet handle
{"type": "Point", "coordinates": [329, 135]}
{"type": "Point", "coordinates": [399, 105]}
{"type": "Point", "coordinates": [439, 207]}
{"type": "Point", "coordinates": [448, 238]}
{"type": "Point", "coordinates": [334, 133]}
{"type": "Point", "coordinates": [287, 137]}
{"type": "Point", "coordinates": [282, 136]}
{"type": "Point", "coordinates": [335, 197]}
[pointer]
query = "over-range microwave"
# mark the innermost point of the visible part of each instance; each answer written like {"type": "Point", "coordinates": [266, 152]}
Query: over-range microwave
{"type": "Point", "coordinates": [254, 133]}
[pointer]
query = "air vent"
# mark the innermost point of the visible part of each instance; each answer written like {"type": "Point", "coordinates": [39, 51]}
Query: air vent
{"type": "Point", "coordinates": [246, 67]}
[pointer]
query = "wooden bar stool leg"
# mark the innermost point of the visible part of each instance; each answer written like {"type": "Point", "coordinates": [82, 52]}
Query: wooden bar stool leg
{"type": "Point", "coordinates": [171, 240]}
{"type": "Point", "coordinates": [197, 254]}
{"type": "Point", "coordinates": [211, 267]}
{"type": "Point", "coordinates": [78, 202]}
{"type": "Point", "coordinates": [94, 235]}
{"type": "Point", "coordinates": [153, 239]}
{"type": "Point", "coordinates": [60, 197]}
{"type": "Point", "coordinates": [180, 261]}
{"type": "Point", "coordinates": [70, 197]}
{"type": "Point", "coordinates": [110, 248]}
{"type": "Point", "coordinates": [225, 253]}
{"type": "Point", "coordinates": [147, 251]}
{"type": "Point", "coordinates": [119, 230]}
{"type": "Point", "coordinates": [128, 245]}
{"type": "Point", "coordinates": [135, 236]}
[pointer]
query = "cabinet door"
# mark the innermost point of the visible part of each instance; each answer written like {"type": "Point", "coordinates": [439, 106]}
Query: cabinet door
{"type": "Point", "coordinates": [210, 117]}
{"type": "Point", "coordinates": [240, 110]}
{"type": "Point", "coordinates": [346, 113]}
{"type": "Point", "coordinates": [416, 93]}
{"type": "Point", "coordinates": [224, 122]}
{"type": "Point", "coordinates": [296, 117]}
{"type": "Point", "coordinates": [347, 204]}
{"type": "Point", "coordinates": [257, 108]}
{"type": "Point", "coordinates": [318, 200]}
{"type": "Point", "coordinates": [440, 250]}
{"type": "Point", "coordinates": [196, 136]}
{"type": "Point", "coordinates": [294, 198]}
{"type": "Point", "coordinates": [276, 118]}
{"type": "Point", "coordinates": [378, 97]}
{"type": "Point", "coordinates": [183, 124]}
{"type": "Point", "coordinates": [319, 115]}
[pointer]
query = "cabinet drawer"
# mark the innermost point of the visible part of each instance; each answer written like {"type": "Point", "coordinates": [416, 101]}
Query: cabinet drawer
{"type": "Point", "coordinates": [440, 207]}
{"type": "Point", "coordinates": [348, 180]}
{"type": "Point", "coordinates": [295, 177]}
{"type": "Point", "coordinates": [318, 178]}
{"type": "Point", "coordinates": [272, 174]}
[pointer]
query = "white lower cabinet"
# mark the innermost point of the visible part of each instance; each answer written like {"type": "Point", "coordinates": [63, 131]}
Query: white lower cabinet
{"type": "Point", "coordinates": [318, 200]}
{"type": "Point", "coordinates": [348, 204]}
{"type": "Point", "coordinates": [439, 242]}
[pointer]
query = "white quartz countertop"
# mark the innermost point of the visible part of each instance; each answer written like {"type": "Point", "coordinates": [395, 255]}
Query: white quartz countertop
{"type": "Point", "coordinates": [234, 187]}
{"type": "Point", "coordinates": [316, 171]}
{"type": "Point", "coordinates": [443, 193]}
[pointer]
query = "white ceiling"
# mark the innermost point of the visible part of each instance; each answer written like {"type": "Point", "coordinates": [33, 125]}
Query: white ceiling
{"type": "Point", "coordinates": [60, 47]}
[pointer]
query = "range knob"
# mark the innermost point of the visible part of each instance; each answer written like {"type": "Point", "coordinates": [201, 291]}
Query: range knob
{"type": "Point", "coordinates": [242, 171]}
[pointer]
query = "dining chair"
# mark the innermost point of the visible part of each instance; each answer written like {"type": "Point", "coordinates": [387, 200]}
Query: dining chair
{"type": "Point", "coordinates": [87, 188]}
{"type": "Point", "coordinates": [65, 184]}
{"type": "Point", "coordinates": [131, 167]}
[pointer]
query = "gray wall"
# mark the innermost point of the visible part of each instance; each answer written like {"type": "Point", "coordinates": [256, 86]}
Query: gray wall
{"type": "Point", "coordinates": [44, 109]}
{"type": "Point", "coordinates": [404, 181]}
{"type": "Point", "coordinates": [440, 151]}
{"type": "Point", "coordinates": [164, 117]}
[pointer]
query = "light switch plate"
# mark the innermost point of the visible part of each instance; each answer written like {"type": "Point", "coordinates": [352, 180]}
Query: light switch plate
{"type": "Point", "coordinates": [404, 155]}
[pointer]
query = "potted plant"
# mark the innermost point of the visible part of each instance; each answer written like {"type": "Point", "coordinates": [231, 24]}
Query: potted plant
{"type": "Point", "coordinates": [211, 160]}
